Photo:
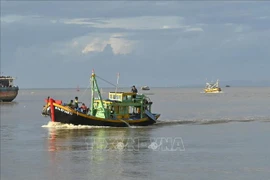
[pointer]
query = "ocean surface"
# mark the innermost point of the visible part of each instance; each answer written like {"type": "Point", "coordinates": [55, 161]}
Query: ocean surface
{"type": "Point", "coordinates": [198, 137]}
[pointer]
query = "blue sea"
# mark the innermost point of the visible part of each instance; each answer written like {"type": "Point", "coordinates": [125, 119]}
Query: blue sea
{"type": "Point", "coordinates": [198, 137]}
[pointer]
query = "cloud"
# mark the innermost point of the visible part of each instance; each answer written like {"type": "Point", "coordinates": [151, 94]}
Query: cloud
{"type": "Point", "coordinates": [13, 18]}
{"type": "Point", "coordinates": [166, 27]}
{"type": "Point", "coordinates": [242, 28]}
{"type": "Point", "coordinates": [131, 23]}
{"type": "Point", "coordinates": [135, 25]}
{"type": "Point", "coordinates": [74, 44]}
{"type": "Point", "coordinates": [78, 21]}
{"type": "Point", "coordinates": [118, 43]}
{"type": "Point", "coordinates": [95, 43]}
{"type": "Point", "coordinates": [53, 21]}
{"type": "Point", "coordinates": [263, 17]}
{"type": "Point", "coordinates": [121, 45]}
{"type": "Point", "coordinates": [171, 35]}
{"type": "Point", "coordinates": [195, 29]}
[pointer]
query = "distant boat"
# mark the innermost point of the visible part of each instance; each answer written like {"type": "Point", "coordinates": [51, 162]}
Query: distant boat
{"type": "Point", "coordinates": [8, 92]}
{"type": "Point", "coordinates": [78, 89]}
{"type": "Point", "coordinates": [228, 86]}
{"type": "Point", "coordinates": [145, 88]}
{"type": "Point", "coordinates": [212, 87]}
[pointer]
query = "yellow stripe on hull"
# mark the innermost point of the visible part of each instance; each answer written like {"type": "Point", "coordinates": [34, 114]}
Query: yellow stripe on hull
{"type": "Point", "coordinates": [215, 90]}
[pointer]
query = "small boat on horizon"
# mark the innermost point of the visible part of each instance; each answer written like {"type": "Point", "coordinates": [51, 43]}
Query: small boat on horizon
{"type": "Point", "coordinates": [212, 87]}
{"type": "Point", "coordinates": [8, 92]}
{"type": "Point", "coordinates": [120, 109]}
{"type": "Point", "coordinates": [145, 88]}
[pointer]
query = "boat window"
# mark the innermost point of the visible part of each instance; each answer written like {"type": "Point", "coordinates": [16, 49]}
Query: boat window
{"type": "Point", "coordinates": [115, 97]}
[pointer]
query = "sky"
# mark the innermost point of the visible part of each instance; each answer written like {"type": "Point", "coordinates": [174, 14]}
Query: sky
{"type": "Point", "coordinates": [156, 43]}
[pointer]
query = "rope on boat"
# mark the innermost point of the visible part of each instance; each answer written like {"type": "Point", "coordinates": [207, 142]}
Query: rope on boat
{"type": "Point", "coordinates": [106, 81]}
{"type": "Point", "coordinates": [88, 87]}
{"type": "Point", "coordinates": [83, 94]}
{"type": "Point", "coordinates": [125, 122]}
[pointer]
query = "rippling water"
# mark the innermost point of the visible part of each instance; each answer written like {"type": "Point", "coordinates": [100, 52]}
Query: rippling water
{"type": "Point", "coordinates": [198, 136]}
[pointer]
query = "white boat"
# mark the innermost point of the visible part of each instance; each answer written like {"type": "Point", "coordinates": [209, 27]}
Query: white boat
{"type": "Point", "coordinates": [145, 88]}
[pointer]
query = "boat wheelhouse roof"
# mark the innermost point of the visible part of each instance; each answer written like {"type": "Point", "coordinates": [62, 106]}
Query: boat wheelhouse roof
{"type": "Point", "coordinates": [122, 96]}
{"type": "Point", "coordinates": [6, 77]}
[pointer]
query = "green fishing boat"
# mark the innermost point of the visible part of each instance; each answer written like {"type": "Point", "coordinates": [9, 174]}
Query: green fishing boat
{"type": "Point", "coordinates": [120, 109]}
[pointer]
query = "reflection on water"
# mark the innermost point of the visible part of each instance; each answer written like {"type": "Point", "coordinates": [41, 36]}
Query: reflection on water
{"type": "Point", "coordinates": [7, 107]}
{"type": "Point", "coordinates": [99, 139]}
{"type": "Point", "coordinates": [63, 139]}
{"type": "Point", "coordinates": [95, 149]}
{"type": "Point", "coordinates": [8, 103]}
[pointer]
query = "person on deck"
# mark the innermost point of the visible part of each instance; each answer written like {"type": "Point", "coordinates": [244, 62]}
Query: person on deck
{"type": "Point", "coordinates": [76, 103]}
{"type": "Point", "coordinates": [84, 108]}
{"type": "Point", "coordinates": [71, 104]}
{"type": "Point", "coordinates": [134, 90]}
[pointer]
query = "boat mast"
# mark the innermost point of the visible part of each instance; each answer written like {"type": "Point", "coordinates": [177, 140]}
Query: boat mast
{"type": "Point", "coordinates": [95, 89]}
{"type": "Point", "coordinates": [118, 75]}
{"type": "Point", "coordinates": [92, 92]}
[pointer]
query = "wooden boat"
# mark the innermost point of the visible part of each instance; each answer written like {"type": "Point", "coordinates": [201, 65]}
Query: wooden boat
{"type": "Point", "coordinates": [8, 92]}
{"type": "Point", "coordinates": [145, 88]}
{"type": "Point", "coordinates": [121, 109]}
{"type": "Point", "coordinates": [212, 87]}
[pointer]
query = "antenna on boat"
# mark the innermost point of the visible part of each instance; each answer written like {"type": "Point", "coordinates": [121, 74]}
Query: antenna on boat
{"type": "Point", "coordinates": [118, 75]}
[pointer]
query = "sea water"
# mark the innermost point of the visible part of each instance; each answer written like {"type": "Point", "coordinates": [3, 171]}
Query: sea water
{"type": "Point", "coordinates": [198, 136]}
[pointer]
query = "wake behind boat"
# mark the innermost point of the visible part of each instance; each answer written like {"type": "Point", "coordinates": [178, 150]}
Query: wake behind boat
{"type": "Point", "coordinates": [212, 87]}
{"type": "Point", "coordinates": [121, 109]}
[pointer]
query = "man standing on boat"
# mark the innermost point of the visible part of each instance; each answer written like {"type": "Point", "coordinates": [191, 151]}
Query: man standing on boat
{"type": "Point", "coordinates": [76, 103]}
{"type": "Point", "coordinates": [134, 89]}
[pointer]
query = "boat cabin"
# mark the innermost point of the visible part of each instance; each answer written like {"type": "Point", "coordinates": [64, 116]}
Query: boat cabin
{"type": "Point", "coordinates": [121, 105]}
{"type": "Point", "coordinates": [6, 81]}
